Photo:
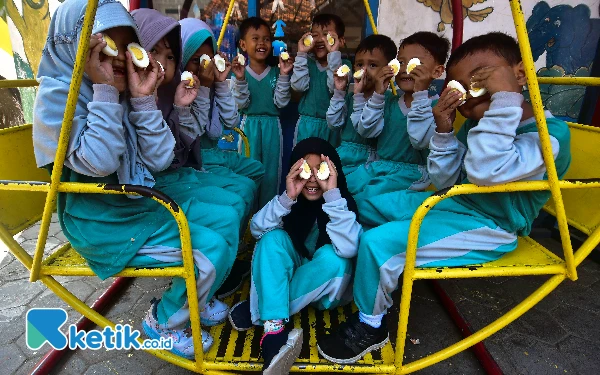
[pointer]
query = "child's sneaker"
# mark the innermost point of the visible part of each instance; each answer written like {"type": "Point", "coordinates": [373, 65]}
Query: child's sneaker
{"type": "Point", "coordinates": [280, 350]}
{"type": "Point", "coordinates": [215, 313]}
{"type": "Point", "coordinates": [352, 341]}
{"type": "Point", "coordinates": [183, 344]}
{"type": "Point", "coordinates": [233, 282]}
{"type": "Point", "coordinates": [240, 317]}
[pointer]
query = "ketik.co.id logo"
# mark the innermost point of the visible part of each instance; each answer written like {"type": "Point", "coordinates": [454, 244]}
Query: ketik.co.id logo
{"type": "Point", "coordinates": [43, 325]}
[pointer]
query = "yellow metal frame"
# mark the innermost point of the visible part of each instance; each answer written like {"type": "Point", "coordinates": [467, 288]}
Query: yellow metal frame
{"type": "Point", "coordinates": [559, 268]}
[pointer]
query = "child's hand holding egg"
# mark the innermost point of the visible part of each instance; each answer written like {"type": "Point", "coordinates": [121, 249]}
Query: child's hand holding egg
{"type": "Point", "coordinates": [100, 69]}
{"type": "Point", "coordinates": [297, 178]}
{"type": "Point", "coordinates": [187, 90]}
{"type": "Point", "coordinates": [223, 67]}
{"type": "Point", "coordinates": [326, 174]}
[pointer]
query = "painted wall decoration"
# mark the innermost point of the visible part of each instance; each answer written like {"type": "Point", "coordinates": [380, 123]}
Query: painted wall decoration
{"type": "Point", "coordinates": [23, 30]}
{"type": "Point", "coordinates": [563, 33]}
{"type": "Point", "coordinates": [444, 8]}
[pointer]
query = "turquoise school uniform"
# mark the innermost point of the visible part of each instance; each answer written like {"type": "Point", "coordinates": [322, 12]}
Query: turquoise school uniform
{"type": "Point", "coordinates": [316, 83]}
{"type": "Point", "coordinates": [283, 282]}
{"type": "Point", "coordinates": [241, 175]}
{"type": "Point", "coordinates": [462, 230]}
{"type": "Point", "coordinates": [399, 165]}
{"type": "Point", "coordinates": [354, 150]}
{"type": "Point", "coordinates": [259, 98]}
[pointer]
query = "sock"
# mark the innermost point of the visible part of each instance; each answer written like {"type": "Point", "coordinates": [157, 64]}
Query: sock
{"type": "Point", "coordinates": [371, 320]}
{"type": "Point", "coordinates": [272, 327]}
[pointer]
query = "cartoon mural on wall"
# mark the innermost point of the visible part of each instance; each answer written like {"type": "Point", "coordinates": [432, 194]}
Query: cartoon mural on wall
{"type": "Point", "coordinates": [569, 37]}
{"type": "Point", "coordinates": [444, 8]}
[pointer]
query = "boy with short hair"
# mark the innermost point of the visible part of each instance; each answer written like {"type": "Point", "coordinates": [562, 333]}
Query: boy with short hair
{"type": "Point", "coordinates": [498, 143]}
{"type": "Point", "coordinates": [260, 91]}
{"type": "Point", "coordinates": [400, 164]}
{"type": "Point", "coordinates": [373, 53]}
{"type": "Point", "coordinates": [313, 77]}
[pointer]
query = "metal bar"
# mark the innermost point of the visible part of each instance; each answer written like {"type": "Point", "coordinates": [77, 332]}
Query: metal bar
{"type": "Point", "coordinates": [588, 246]}
{"type": "Point", "coordinates": [65, 132]}
{"type": "Point", "coordinates": [244, 141]}
{"type": "Point", "coordinates": [459, 273]}
{"type": "Point", "coordinates": [581, 81]}
{"type": "Point", "coordinates": [225, 23]}
{"type": "Point", "coordinates": [47, 363]}
{"type": "Point", "coordinates": [304, 367]}
{"type": "Point", "coordinates": [457, 24]}
{"type": "Point", "coordinates": [13, 83]}
{"type": "Point", "coordinates": [540, 117]}
{"type": "Point", "coordinates": [488, 330]}
{"type": "Point", "coordinates": [374, 26]}
{"type": "Point", "coordinates": [127, 272]}
{"type": "Point", "coordinates": [483, 355]}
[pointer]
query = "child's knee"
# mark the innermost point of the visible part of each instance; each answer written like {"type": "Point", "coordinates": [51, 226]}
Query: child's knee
{"type": "Point", "coordinates": [335, 264]}
{"type": "Point", "coordinates": [276, 241]}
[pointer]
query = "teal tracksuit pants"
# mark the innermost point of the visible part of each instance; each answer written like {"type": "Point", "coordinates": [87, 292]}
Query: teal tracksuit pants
{"type": "Point", "coordinates": [451, 235]}
{"type": "Point", "coordinates": [283, 282]}
{"type": "Point", "coordinates": [213, 258]}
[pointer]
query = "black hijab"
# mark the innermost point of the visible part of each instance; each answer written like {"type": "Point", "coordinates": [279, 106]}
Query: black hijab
{"type": "Point", "coordinates": [300, 221]}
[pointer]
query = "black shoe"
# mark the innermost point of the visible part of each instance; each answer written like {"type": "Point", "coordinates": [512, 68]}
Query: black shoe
{"type": "Point", "coordinates": [233, 282]}
{"type": "Point", "coordinates": [280, 351]}
{"type": "Point", "coordinates": [240, 317]}
{"type": "Point", "coordinates": [352, 341]}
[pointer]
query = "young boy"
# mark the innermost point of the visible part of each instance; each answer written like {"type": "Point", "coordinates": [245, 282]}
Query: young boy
{"type": "Point", "coordinates": [259, 92]}
{"type": "Point", "coordinates": [497, 144]}
{"type": "Point", "coordinates": [400, 165]}
{"type": "Point", "coordinates": [313, 76]}
{"type": "Point", "coordinates": [373, 53]}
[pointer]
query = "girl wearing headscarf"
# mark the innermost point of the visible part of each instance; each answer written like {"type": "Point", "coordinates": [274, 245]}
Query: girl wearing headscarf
{"type": "Point", "coordinates": [306, 239]}
{"type": "Point", "coordinates": [214, 106]}
{"type": "Point", "coordinates": [119, 137]}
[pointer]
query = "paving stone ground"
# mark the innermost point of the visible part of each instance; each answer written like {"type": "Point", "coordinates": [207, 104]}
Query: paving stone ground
{"type": "Point", "coordinates": [560, 335]}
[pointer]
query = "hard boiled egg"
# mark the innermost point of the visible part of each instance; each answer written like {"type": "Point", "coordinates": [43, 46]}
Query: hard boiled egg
{"type": "Point", "coordinates": [160, 65]}
{"type": "Point", "coordinates": [330, 39]}
{"type": "Point", "coordinates": [395, 65]}
{"type": "Point", "coordinates": [111, 46]}
{"type": "Point", "coordinates": [308, 41]}
{"type": "Point", "coordinates": [455, 85]}
{"type": "Point", "coordinates": [359, 74]}
{"type": "Point", "coordinates": [343, 71]}
{"type": "Point", "coordinates": [412, 63]}
{"type": "Point", "coordinates": [188, 76]}
{"type": "Point", "coordinates": [323, 172]}
{"type": "Point", "coordinates": [138, 55]}
{"type": "Point", "coordinates": [306, 172]}
{"type": "Point", "coordinates": [204, 60]}
{"type": "Point", "coordinates": [241, 59]}
{"type": "Point", "coordinates": [477, 92]}
{"type": "Point", "coordinates": [220, 63]}
{"type": "Point", "coordinates": [284, 56]}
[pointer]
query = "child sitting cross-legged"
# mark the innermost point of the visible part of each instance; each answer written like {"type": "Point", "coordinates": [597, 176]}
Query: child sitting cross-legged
{"type": "Point", "coordinates": [498, 143]}
{"type": "Point", "coordinates": [307, 237]}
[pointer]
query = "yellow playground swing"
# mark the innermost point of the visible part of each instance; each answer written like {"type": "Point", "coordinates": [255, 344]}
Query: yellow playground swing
{"type": "Point", "coordinates": [574, 202]}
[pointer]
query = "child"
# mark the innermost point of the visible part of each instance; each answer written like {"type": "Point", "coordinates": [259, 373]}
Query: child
{"type": "Point", "coordinates": [497, 144]}
{"type": "Point", "coordinates": [307, 236]}
{"type": "Point", "coordinates": [161, 36]}
{"type": "Point", "coordinates": [259, 92]}
{"type": "Point", "coordinates": [215, 106]}
{"type": "Point", "coordinates": [432, 51]}
{"type": "Point", "coordinates": [400, 165]}
{"type": "Point", "coordinates": [373, 53]}
{"type": "Point", "coordinates": [313, 77]}
{"type": "Point", "coordinates": [119, 137]}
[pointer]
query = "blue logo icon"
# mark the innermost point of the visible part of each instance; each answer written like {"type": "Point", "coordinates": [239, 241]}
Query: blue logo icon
{"type": "Point", "coordinates": [43, 325]}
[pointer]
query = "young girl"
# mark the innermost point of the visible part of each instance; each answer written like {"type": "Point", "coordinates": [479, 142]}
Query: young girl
{"type": "Point", "coordinates": [119, 137]}
{"type": "Point", "coordinates": [259, 92]}
{"type": "Point", "coordinates": [307, 237]}
{"type": "Point", "coordinates": [161, 36]}
{"type": "Point", "coordinates": [218, 107]}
